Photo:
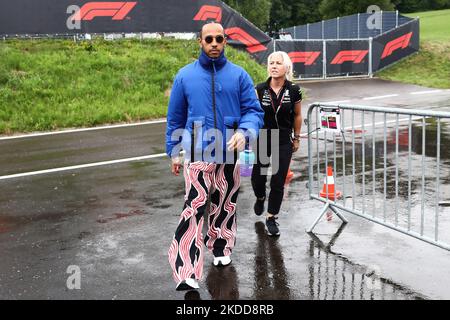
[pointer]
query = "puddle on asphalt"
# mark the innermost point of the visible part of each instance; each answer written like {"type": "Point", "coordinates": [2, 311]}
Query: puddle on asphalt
{"type": "Point", "coordinates": [333, 277]}
{"type": "Point", "coordinates": [330, 276]}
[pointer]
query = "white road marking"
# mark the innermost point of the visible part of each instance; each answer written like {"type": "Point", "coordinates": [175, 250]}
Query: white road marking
{"type": "Point", "coordinates": [161, 155]}
{"type": "Point", "coordinates": [32, 135]}
{"type": "Point", "coordinates": [81, 166]}
{"type": "Point", "coordinates": [381, 97]}
{"type": "Point", "coordinates": [426, 92]}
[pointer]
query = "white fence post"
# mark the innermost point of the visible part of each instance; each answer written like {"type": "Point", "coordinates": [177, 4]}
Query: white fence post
{"type": "Point", "coordinates": [370, 57]}
{"type": "Point", "coordinates": [323, 29]}
{"type": "Point", "coordinates": [359, 22]}
{"type": "Point", "coordinates": [324, 59]}
{"type": "Point", "coordinates": [337, 23]}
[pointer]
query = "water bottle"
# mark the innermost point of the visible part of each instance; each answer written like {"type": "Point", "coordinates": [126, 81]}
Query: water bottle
{"type": "Point", "coordinates": [246, 160]}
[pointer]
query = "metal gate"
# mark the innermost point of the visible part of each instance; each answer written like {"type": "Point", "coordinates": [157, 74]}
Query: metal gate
{"type": "Point", "coordinates": [382, 164]}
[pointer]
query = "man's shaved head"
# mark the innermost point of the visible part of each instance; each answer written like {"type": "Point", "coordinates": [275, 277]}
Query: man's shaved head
{"type": "Point", "coordinates": [211, 25]}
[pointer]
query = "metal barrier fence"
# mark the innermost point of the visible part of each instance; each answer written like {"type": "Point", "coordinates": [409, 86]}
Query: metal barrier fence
{"type": "Point", "coordinates": [333, 58]}
{"type": "Point", "coordinates": [388, 165]}
{"type": "Point", "coordinates": [349, 27]}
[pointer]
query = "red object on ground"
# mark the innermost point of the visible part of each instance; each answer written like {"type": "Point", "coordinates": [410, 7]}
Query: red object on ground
{"type": "Point", "coordinates": [289, 176]}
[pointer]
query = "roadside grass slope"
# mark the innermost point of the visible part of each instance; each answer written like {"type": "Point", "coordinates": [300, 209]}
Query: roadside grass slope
{"type": "Point", "coordinates": [431, 66]}
{"type": "Point", "coordinates": [56, 84]}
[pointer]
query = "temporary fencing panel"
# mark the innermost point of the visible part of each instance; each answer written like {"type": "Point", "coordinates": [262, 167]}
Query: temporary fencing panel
{"type": "Point", "coordinates": [344, 48]}
{"type": "Point", "coordinates": [307, 57]}
{"type": "Point", "coordinates": [395, 45]}
{"type": "Point", "coordinates": [388, 164]}
{"type": "Point", "coordinates": [347, 57]}
{"type": "Point", "coordinates": [356, 26]}
{"type": "Point", "coordinates": [350, 47]}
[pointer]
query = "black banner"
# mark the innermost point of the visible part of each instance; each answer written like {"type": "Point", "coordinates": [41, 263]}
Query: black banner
{"type": "Point", "coordinates": [66, 17]}
{"type": "Point", "coordinates": [307, 57]}
{"type": "Point", "coordinates": [84, 16]}
{"type": "Point", "coordinates": [395, 45]}
{"type": "Point", "coordinates": [347, 57]}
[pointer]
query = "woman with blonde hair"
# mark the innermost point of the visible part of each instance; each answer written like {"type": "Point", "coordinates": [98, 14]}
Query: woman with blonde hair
{"type": "Point", "coordinates": [280, 99]}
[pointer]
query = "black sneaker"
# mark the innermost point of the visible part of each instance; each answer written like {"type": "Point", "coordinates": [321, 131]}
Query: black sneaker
{"type": "Point", "coordinates": [259, 206]}
{"type": "Point", "coordinates": [272, 226]}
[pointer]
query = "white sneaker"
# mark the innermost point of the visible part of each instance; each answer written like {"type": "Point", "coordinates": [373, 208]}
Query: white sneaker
{"type": "Point", "coordinates": [188, 284]}
{"type": "Point", "coordinates": [222, 261]}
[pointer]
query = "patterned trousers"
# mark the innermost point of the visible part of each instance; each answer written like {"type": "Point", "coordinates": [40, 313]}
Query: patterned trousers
{"type": "Point", "coordinates": [219, 182]}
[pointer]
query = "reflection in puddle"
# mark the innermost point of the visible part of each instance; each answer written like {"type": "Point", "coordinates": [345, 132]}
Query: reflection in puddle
{"type": "Point", "coordinates": [334, 277]}
{"type": "Point", "coordinates": [271, 280]}
{"type": "Point", "coordinates": [222, 283]}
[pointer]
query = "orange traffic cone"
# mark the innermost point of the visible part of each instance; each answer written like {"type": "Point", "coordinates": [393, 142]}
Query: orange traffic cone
{"type": "Point", "coordinates": [332, 194]}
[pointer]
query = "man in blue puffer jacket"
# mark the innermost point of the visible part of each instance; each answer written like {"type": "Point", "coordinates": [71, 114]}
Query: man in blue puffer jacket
{"type": "Point", "coordinates": [213, 107]}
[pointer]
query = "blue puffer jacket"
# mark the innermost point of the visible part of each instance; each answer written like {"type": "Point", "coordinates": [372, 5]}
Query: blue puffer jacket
{"type": "Point", "coordinates": [196, 104]}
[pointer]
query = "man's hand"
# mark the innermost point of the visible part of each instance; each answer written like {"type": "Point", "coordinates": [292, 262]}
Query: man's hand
{"type": "Point", "coordinates": [176, 165]}
{"type": "Point", "coordinates": [237, 141]}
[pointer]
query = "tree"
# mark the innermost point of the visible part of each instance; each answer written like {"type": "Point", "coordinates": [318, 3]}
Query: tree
{"type": "Point", "coordinates": [280, 14]}
{"type": "Point", "coordinates": [330, 9]}
{"type": "Point", "coordinates": [288, 13]}
{"type": "Point", "coordinates": [256, 11]}
{"type": "Point", "coordinates": [421, 5]}
{"type": "Point", "coordinates": [305, 11]}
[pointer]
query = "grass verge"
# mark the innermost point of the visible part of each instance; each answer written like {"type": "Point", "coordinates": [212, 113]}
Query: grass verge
{"type": "Point", "coordinates": [55, 84]}
{"type": "Point", "coordinates": [431, 66]}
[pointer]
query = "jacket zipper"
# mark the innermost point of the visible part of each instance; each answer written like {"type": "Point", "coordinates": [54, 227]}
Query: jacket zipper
{"type": "Point", "coordinates": [213, 73]}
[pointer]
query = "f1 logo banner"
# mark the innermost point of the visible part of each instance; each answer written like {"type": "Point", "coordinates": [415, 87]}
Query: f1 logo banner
{"type": "Point", "coordinates": [116, 10]}
{"type": "Point", "coordinates": [347, 57]}
{"type": "Point", "coordinates": [398, 43]}
{"type": "Point", "coordinates": [355, 56]}
{"type": "Point", "coordinates": [252, 45]}
{"type": "Point", "coordinates": [239, 31]}
{"type": "Point", "coordinates": [306, 57]}
{"type": "Point", "coordinates": [395, 45]}
{"type": "Point", "coordinates": [208, 13]}
{"type": "Point", "coordinates": [65, 17]}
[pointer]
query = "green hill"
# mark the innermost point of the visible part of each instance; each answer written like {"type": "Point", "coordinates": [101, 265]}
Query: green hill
{"type": "Point", "coordinates": [55, 84]}
{"type": "Point", "coordinates": [431, 66]}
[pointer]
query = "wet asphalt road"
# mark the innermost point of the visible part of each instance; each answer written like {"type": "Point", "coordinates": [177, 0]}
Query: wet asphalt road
{"type": "Point", "coordinates": [115, 222]}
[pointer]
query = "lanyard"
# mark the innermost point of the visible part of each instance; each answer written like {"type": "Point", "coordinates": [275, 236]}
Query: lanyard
{"type": "Point", "coordinates": [273, 105]}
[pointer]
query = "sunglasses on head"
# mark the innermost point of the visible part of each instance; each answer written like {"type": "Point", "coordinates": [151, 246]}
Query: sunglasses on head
{"type": "Point", "coordinates": [210, 39]}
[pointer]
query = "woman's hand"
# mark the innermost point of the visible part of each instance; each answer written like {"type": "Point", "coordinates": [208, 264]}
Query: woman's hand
{"type": "Point", "coordinates": [176, 165]}
{"type": "Point", "coordinates": [295, 145]}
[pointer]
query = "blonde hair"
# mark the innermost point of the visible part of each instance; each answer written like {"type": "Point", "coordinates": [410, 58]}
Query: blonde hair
{"type": "Point", "coordinates": [287, 63]}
